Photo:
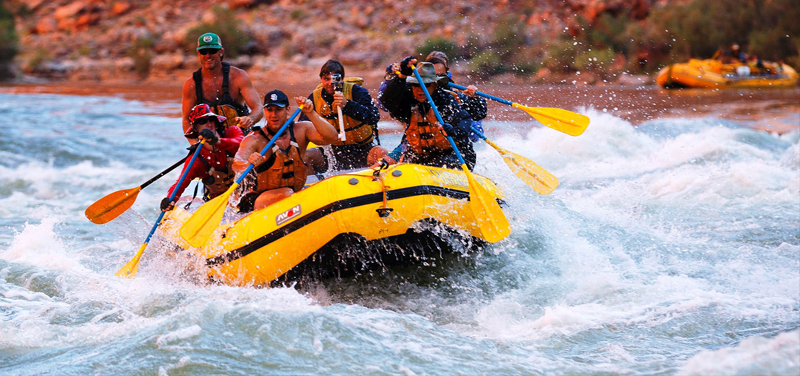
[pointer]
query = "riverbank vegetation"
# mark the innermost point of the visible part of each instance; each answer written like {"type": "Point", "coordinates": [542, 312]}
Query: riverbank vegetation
{"type": "Point", "coordinates": [617, 42]}
{"type": "Point", "coordinates": [539, 40]}
{"type": "Point", "coordinates": [8, 41]}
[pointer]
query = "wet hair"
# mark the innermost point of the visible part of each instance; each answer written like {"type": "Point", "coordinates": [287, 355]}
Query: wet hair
{"type": "Point", "coordinates": [331, 66]}
{"type": "Point", "coordinates": [438, 57]}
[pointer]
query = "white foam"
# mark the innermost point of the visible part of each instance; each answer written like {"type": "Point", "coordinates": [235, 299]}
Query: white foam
{"type": "Point", "coordinates": [779, 355]}
{"type": "Point", "coordinates": [39, 245]}
{"type": "Point", "coordinates": [178, 335]}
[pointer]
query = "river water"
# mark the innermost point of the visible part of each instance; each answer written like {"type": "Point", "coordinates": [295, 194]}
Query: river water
{"type": "Point", "coordinates": [671, 247]}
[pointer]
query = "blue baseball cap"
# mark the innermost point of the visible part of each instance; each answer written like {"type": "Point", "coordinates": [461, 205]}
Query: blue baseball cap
{"type": "Point", "coordinates": [276, 98]}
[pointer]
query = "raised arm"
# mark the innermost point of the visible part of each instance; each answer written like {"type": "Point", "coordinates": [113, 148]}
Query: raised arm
{"type": "Point", "coordinates": [396, 98]}
{"type": "Point", "coordinates": [322, 133]}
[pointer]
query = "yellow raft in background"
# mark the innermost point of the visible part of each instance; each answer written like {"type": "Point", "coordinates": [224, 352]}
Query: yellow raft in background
{"type": "Point", "coordinates": [281, 242]}
{"type": "Point", "coordinates": [712, 73]}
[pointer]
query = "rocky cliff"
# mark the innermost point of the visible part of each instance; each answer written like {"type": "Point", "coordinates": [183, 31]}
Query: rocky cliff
{"type": "Point", "coordinates": [137, 39]}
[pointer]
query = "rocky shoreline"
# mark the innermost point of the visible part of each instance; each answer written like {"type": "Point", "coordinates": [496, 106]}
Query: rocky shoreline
{"type": "Point", "coordinates": [96, 40]}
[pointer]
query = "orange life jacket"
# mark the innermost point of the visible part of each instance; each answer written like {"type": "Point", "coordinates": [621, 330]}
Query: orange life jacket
{"type": "Point", "coordinates": [424, 136]}
{"type": "Point", "coordinates": [356, 132]}
{"type": "Point", "coordinates": [284, 168]}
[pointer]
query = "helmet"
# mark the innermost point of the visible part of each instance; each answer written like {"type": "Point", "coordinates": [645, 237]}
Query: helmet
{"type": "Point", "coordinates": [203, 110]}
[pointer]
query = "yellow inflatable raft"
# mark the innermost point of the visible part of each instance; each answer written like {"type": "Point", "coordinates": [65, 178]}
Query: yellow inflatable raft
{"type": "Point", "coordinates": [308, 231]}
{"type": "Point", "coordinates": [711, 73]}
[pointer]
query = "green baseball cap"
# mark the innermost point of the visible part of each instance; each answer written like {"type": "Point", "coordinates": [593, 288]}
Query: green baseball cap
{"type": "Point", "coordinates": [208, 40]}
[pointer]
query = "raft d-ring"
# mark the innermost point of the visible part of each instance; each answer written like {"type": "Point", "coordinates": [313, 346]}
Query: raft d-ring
{"type": "Point", "coordinates": [383, 211]}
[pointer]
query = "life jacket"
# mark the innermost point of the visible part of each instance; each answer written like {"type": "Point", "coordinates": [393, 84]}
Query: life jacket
{"type": "Point", "coordinates": [284, 168]}
{"type": "Point", "coordinates": [357, 133]}
{"type": "Point", "coordinates": [424, 136]}
{"type": "Point", "coordinates": [226, 106]}
{"type": "Point", "coordinates": [218, 181]}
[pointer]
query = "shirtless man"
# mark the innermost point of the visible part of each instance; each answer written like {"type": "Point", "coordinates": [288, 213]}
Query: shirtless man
{"type": "Point", "coordinates": [225, 88]}
{"type": "Point", "coordinates": [281, 170]}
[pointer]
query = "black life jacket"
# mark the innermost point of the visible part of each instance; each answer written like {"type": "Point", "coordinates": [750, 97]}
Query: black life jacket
{"type": "Point", "coordinates": [226, 106]}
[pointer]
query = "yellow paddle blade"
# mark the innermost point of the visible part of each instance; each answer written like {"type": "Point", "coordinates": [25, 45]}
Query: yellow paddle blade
{"type": "Point", "coordinates": [205, 220]}
{"type": "Point", "coordinates": [490, 217]}
{"type": "Point", "coordinates": [559, 119]}
{"type": "Point", "coordinates": [112, 205]}
{"type": "Point", "coordinates": [132, 267]}
{"type": "Point", "coordinates": [529, 172]}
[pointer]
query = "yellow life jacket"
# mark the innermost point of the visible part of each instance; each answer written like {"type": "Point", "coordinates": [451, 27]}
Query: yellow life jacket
{"type": "Point", "coordinates": [423, 136]}
{"type": "Point", "coordinates": [356, 132]}
{"type": "Point", "coordinates": [229, 113]}
{"type": "Point", "coordinates": [284, 168]}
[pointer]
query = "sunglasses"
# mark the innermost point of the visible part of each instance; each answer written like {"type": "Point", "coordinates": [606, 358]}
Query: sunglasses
{"type": "Point", "coordinates": [202, 120]}
{"type": "Point", "coordinates": [207, 51]}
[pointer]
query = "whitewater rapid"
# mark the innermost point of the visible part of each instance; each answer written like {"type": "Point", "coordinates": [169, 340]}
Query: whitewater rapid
{"type": "Point", "coordinates": [670, 247]}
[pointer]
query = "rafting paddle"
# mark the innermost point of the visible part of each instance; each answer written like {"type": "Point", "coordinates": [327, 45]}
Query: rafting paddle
{"type": "Point", "coordinates": [529, 172]}
{"type": "Point", "coordinates": [492, 222]}
{"type": "Point", "coordinates": [132, 267]}
{"type": "Point", "coordinates": [202, 223]}
{"type": "Point", "coordinates": [561, 120]}
{"type": "Point", "coordinates": [116, 203]}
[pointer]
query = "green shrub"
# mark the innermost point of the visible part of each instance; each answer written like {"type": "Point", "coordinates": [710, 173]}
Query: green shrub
{"type": "Point", "coordinates": [486, 64]}
{"type": "Point", "coordinates": [8, 41]}
{"type": "Point", "coordinates": [226, 26]}
{"type": "Point", "coordinates": [509, 35]}
{"type": "Point", "coordinates": [37, 59]}
{"type": "Point", "coordinates": [595, 60]}
{"type": "Point", "coordinates": [141, 51]}
{"type": "Point", "coordinates": [297, 14]}
{"type": "Point", "coordinates": [439, 44]}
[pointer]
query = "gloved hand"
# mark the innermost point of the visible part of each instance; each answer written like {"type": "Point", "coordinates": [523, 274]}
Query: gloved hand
{"type": "Point", "coordinates": [447, 129]}
{"type": "Point", "coordinates": [209, 136]}
{"type": "Point", "coordinates": [167, 205]}
{"type": "Point", "coordinates": [192, 148]}
{"type": "Point", "coordinates": [405, 65]}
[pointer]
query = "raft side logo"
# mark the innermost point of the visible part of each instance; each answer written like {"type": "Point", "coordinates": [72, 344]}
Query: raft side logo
{"type": "Point", "coordinates": [287, 215]}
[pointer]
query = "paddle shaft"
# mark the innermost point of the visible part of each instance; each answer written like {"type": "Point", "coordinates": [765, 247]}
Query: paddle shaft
{"type": "Point", "coordinates": [478, 93]}
{"type": "Point", "coordinates": [561, 120]}
{"type": "Point", "coordinates": [162, 173]}
{"type": "Point", "coordinates": [174, 191]}
{"type": "Point", "coordinates": [342, 134]}
{"type": "Point", "coordinates": [484, 206]}
{"type": "Point", "coordinates": [438, 116]}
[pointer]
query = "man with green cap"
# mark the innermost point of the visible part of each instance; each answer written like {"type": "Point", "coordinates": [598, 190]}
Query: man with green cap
{"type": "Point", "coordinates": [227, 89]}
